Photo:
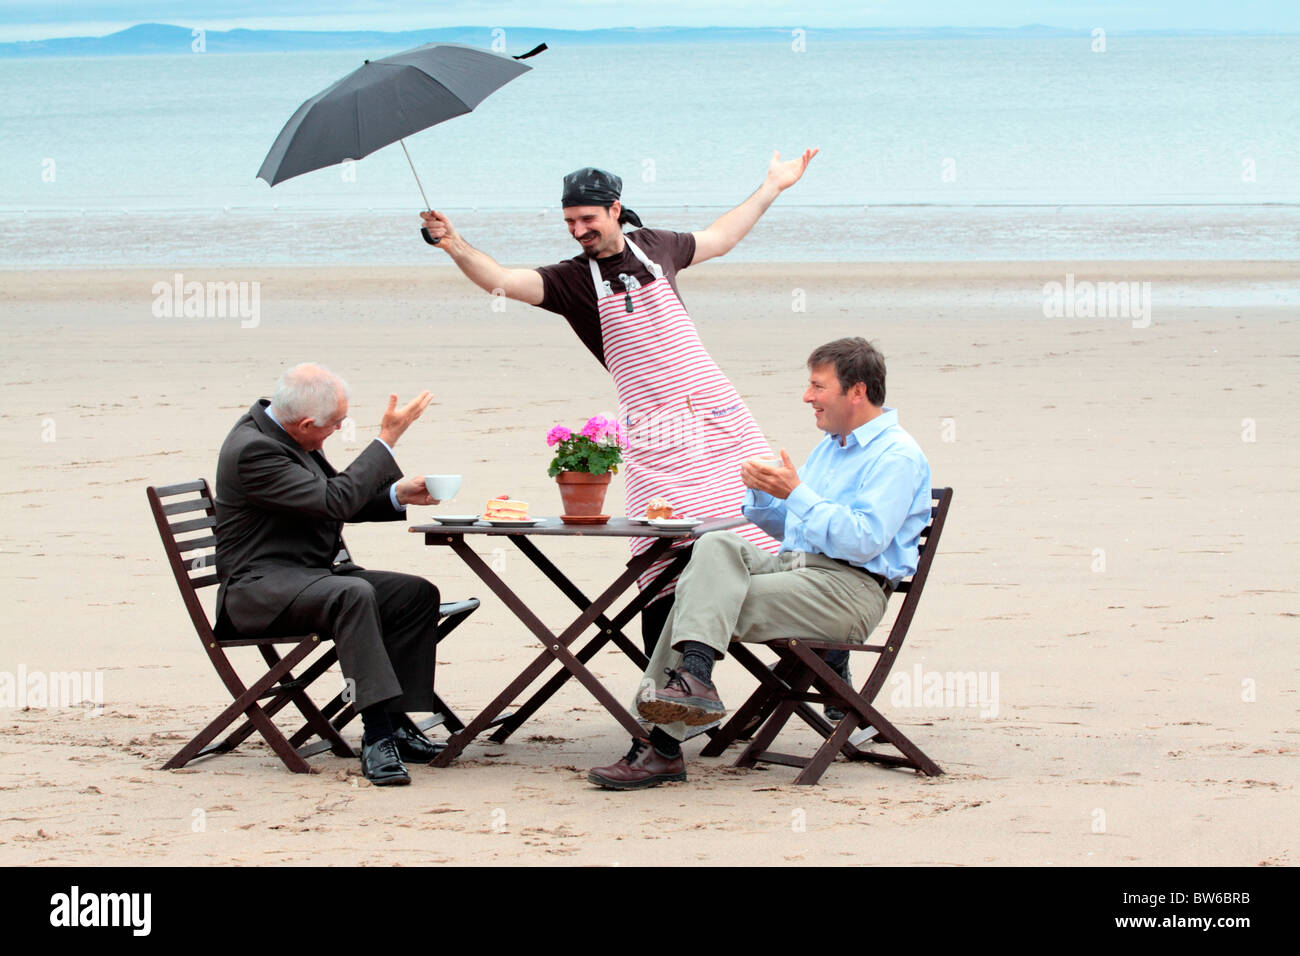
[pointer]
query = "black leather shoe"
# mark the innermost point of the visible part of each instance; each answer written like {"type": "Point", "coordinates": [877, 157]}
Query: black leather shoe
{"type": "Point", "coordinates": [413, 746]}
{"type": "Point", "coordinates": [382, 764]}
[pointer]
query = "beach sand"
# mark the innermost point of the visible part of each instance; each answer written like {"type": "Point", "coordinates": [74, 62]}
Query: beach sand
{"type": "Point", "coordinates": [1121, 558]}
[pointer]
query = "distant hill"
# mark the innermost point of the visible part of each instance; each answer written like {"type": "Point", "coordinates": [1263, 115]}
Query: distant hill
{"type": "Point", "coordinates": [161, 38]}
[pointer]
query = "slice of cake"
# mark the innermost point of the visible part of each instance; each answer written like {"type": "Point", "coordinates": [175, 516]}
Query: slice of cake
{"type": "Point", "coordinates": [505, 508]}
{"type": "Point", "coordinates": [659, 508]}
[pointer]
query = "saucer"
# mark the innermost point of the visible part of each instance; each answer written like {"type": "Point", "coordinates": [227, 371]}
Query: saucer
{"type": "Point", "coordinates": [584, 519]}
{"type": "Point", "coordinates": [675, 524]}
{"type": "Point", "coordinates": [455, 520]}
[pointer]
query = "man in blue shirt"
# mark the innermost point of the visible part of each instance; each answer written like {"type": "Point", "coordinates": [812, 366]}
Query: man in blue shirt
{"type": "Point", "coordinates": [849, 522]}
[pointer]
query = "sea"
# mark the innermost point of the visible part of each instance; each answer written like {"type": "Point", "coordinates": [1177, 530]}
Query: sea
{"type": "Point", "coordinates": [945, 149]}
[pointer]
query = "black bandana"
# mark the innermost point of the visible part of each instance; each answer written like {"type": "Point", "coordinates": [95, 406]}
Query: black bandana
{"type": "Point", "coordinates": [591, 187]}
{"type": "Point", "coordinates": [595, 187]}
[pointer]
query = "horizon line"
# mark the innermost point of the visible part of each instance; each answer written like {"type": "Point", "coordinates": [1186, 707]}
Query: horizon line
{"type": "Point", "coordinates": [1183, 31]}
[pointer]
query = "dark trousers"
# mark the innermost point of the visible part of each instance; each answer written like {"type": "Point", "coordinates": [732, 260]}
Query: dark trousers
{"type": "Point", "coordinates": [653, 619]}
{"type": "Point", "coordinates": [383, 624]}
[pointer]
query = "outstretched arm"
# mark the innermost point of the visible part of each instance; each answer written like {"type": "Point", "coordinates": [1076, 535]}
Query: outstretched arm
{"type": "Point", "coordinates": [480, 268]}
{"type": "Point", "coordinates": [730, 228]}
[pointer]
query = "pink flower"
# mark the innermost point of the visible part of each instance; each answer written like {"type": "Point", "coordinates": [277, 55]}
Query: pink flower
{"type": "Point", "coordinates": [599, 428]}
{"type": "Point", "coordinates": [558, 434]}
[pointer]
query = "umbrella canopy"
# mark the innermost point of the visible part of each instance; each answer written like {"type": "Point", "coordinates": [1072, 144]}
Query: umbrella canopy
{"type": "Point", "coordinates": [384, 101]}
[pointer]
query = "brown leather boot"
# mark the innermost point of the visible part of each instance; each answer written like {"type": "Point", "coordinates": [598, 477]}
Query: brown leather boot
{"type": "Point", "coordinates": [642, 767]}
{"type": "Point", "coordinates": [685, 697]}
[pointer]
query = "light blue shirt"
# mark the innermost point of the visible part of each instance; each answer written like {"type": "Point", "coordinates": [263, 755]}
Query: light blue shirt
{"type": "Point", "coordinates": [392, 489]}
{"type": "Point", "coordinates": [865, 502]}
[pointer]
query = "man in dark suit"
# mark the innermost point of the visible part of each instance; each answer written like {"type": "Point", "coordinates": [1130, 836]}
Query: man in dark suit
{"type": "Point", "coordinates": [280, 510]}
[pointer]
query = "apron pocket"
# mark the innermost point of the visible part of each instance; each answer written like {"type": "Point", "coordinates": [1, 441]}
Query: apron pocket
{"type": "Point", "coordinates": [714, 401]}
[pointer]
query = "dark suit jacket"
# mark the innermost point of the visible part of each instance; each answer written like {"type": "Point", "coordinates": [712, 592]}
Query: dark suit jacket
{"type": "Point", "coordinates": [280, 514]}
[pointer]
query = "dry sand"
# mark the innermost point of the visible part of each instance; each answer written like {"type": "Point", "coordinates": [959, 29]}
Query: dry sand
{"type": "Point", "coordinates": [1121, 555]}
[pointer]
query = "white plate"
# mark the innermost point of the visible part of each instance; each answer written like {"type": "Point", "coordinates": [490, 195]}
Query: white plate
{"type": "Point", "coordinates": [675, 524]}
{"type": "Point", "coordinates": [514, 523]}
{"type": "Point", "coordinates": [455, 519]}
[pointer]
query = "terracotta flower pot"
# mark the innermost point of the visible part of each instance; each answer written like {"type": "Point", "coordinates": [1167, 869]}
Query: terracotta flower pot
{"type": "Point", "coordinates": [583, 493]}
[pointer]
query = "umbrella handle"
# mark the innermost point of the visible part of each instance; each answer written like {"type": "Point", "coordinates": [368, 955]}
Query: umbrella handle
{"type": "Point", "coordinates": [424, 232]}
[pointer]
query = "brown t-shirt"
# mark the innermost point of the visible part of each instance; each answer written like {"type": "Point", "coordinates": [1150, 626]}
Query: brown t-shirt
{"type": "Point", "coordinates": [569, 289]}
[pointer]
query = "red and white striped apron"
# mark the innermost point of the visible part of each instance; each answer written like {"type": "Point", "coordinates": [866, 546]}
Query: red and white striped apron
{"type": "Point", "coordinates": [688, 430]}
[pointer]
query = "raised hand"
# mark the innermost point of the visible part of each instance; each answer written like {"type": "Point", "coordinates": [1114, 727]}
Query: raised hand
{"type": "Point", "coordinates": [784, 175]}
{"type": "Point", "coordinates": [397, 420]}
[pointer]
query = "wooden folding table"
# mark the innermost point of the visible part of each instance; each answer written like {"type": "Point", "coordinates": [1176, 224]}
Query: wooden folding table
{"type": "Point", "coordinates": [556, 647]}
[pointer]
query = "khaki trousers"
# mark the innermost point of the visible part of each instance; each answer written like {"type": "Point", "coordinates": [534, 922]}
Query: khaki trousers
{"type": "Point", "coordinates": [732, 590]}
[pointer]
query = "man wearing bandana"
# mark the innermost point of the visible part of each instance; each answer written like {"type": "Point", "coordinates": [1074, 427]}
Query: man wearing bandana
{"type": "Point", "coordinates": [688, 431]}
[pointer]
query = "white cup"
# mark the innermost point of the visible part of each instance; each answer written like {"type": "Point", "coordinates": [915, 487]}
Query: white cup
{"type": "Point", "coordinates": [773, 461]}
{"type": "Point", "coordinates": [442, 487]}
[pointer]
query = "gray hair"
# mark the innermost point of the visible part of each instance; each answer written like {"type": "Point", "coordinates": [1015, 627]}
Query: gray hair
{"type": "Point", "coordinates": [307, 391]}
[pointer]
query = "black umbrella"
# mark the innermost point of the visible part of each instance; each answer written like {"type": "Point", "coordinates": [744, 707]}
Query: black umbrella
{"type": "Point", "coordinates": [385, 100]}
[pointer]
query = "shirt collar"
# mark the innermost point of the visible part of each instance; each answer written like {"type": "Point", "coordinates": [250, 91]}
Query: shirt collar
{"type": "Point", "coordinates": [865, 433]}
{"type": "Point", "coordinates": [271, 415]}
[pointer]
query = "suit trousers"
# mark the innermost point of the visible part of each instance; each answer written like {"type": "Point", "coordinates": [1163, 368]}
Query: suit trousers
{"type": "Point", "coordinates": [732, 590]}
{"type": "Point", "coordinates": [384, 626]}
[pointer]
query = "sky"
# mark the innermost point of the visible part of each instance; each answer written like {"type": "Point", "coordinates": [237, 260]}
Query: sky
{"type": "Point", "coordinates": [41, 19]}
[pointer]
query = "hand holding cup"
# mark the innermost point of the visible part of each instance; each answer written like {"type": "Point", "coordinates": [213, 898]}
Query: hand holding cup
{"type": "Point", "coordinates": [412, 490]}
{"type": "Point", "coordinates": [775, 476]}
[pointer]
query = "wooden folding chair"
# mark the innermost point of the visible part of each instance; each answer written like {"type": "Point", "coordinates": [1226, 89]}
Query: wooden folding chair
{"type": "Point", "coordinates": [783, 690]}
{"type": "Point", "coordinates": [191, 560]}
